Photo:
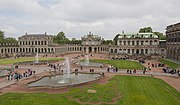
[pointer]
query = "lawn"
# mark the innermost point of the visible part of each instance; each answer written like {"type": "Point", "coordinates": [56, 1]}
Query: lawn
{"type": "Point", "coordinates": [169, 63]}
{"type": "Point", "coordinates": [121, 64]}
{"type": "Point", "coordinates": [24, 59]}
{"type": "Point", "coordinates": [124, 90]}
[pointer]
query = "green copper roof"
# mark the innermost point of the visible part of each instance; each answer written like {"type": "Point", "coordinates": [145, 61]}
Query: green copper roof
{"type": "Point", "coordinates": [138, 35]}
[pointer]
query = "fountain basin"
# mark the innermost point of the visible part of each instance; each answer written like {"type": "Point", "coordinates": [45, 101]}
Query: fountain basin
{"type": "Point", "coordinates": [63, 80]}
{"type": "Point", "coordinates": [4, 72]}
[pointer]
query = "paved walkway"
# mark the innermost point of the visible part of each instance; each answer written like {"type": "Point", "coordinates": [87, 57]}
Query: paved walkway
{"type": "Point", "coordinates": [41, 68]}
{"type": "Point", "coordinates": [173, 61]}
{"type": "Point", "coordinates": [38, 69]}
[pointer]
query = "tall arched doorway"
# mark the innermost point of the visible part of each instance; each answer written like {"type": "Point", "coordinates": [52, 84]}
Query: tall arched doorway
{"type": "Point", "coordinates": [95, 50]}
{"type": "Point", "coordinates": [84, 49]}
{"type": "Point", "coordinates": [90, 49]}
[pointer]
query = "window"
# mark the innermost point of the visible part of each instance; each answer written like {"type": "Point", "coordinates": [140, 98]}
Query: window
{"type": "Point", "coordinates": [137, 42]}
{"type": "Point", "coordinates": [128, 42]}
{"type": "Point", "coordinates": [155, 42]}
{"type": "Point", "coordinates": [124, 42]}
{"type": "Point", "coordinates": [132, 51]}
{"type": "Point", "coordinates": [151, 42]}
{"type": "Point", "coordinates": [142, 42]}
{"type": "Point", "coordinates": [128, 51]}
{"type": "Point", "coordinates": [132, 42]}
{"type": "Point", "coordinates": [146, 51]}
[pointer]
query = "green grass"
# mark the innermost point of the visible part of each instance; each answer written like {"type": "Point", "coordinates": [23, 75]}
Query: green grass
{"type": "Point", "coordinates": [132, 89]}
{"type": "Point", "coordinates": [24, 59]}
{"type": "Point", "coordinates": [169, 63]}
{"type": "Point", "coordinates": [121, 64]}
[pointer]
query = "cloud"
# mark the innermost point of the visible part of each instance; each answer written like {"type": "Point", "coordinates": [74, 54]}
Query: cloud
{"type": "Point", "coordinates": [77, 17]}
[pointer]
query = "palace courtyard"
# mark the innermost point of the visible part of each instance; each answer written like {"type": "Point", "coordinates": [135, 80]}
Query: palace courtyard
{"type": "Point", "coordinates": [121, 87]}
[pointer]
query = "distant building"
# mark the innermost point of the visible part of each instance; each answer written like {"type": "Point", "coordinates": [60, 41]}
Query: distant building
{"type": "Point", "coordinates": [32, 43]}
{"type": "Point", "coordinates": [93, 44]}
{"type": "Point", "coordinates": [138, 44]}
{"type": "Point", "coordinates": [173, 41]}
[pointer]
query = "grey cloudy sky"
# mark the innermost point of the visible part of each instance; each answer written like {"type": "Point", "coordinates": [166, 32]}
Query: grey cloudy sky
{"type": "Point", "coordinates": [77, 17]}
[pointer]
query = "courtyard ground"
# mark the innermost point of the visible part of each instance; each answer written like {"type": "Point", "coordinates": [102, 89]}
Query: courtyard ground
{"type": "Point", "coordinates": [20, 86]}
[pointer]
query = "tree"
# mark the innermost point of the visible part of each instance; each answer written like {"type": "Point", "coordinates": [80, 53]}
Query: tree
{"type": "Point", "coordinates": [60, 38]}
{"type": "Point", "coordinates": [10, 40]}
{"type": "Point", "coordinates": [1, 36]}
{"type": "Point", "coordinates": [149, 29]}
{"type": "Point", "coordinates": [145, 30]}
{"type": "Point", "coordinates": [160, 35]}
{"type": "Point", "coordinates": [108, 42]}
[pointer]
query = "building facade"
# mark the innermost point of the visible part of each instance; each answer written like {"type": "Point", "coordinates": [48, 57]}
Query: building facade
{"type": "Point", "coordinates": [173, 41]}
{"type": "Point", "coordinates": [140, 44]}
{"type": "Point", "coordinates": [144, 44]}
{"type": "Point", "coordinates": [93, 44]}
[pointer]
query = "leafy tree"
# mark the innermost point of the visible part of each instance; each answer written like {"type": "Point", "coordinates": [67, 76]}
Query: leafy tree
{"type": "Point", "coordinates": [10, 40]}
{"type": "Point", "coordinates": [149, 29]}
{"type": "Point", "coordinates": [60, 38]}
{"type": "Point", "coordinates": [108, 42]}
{"type": "Point", "coordinates": [75, 41]}
{"type": "Point", "coordinates": [145, 30]}
{"type": "Point", "coordinates": [6, 40]}
{"type": "Point", "coordinates": [1, 36]}
{"type": "Point", "coordinates": [160, 35]}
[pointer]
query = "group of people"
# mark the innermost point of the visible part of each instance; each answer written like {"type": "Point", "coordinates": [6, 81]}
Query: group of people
{"type": "Point", "coordinates": [155, 65]}
{"type": "Point", "coordinates": [129, 71]}
{"type": "Point", "coordinates": [91, 70]}
{"type": "Point", "coordinates": [170, 70]}
{"type": "Point", "coordinates": [113, 69]}
{"type": "Point", "coordinates": [17, 76]}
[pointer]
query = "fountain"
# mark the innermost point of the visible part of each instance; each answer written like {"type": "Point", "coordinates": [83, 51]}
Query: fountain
{"type": "Point", "coordinates": [87, 60]}
{"type": "Point", "coordinates": [67, 67]}
{"type": "Point", "coordinates": [89, 64]}
{"type": "Point", "coordinates": [4, 72]}
{"type": "Point", "coordinates": [67, 79]}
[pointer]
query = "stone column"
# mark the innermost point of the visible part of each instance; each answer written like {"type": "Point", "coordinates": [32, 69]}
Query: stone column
{"type": "Point", "coordinates": [92, 49]}
{"type": "Point", "coordinates": [87, 49]}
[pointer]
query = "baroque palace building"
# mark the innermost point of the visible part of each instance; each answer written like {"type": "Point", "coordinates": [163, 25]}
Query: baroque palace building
{"type": "Point", "coordinates": [139, 44]}
{"type": "Point", "coordinates": [173, 41]}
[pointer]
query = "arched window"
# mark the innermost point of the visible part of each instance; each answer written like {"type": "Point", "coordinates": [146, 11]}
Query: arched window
{"type": "Point", "coordinates": [151, 42]}
{"type": "Point", "coordinates": [146, 51]}
{"type": "Point", "coordinates": [111, 50]}
{"type": "Point", "coordinates": [132, 51]}
{"type": "Point", "coordinates": [124, 42]}
{"type": "Point", "coordinates": [137, 42]}
{"type": "Point", "coordinates": [132, 42]}
{"type": "Point", "coordinates": [120, 50]}
{"type": "Point", "coordinates": [155, 42]}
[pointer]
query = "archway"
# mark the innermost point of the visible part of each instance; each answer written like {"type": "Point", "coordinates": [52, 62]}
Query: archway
{"type": "Point", "coordinates": [90, 49]}
{"type": "Point", "coordinates": [84, 49]}
{"type": "Point", "coordinates": [95, 50]}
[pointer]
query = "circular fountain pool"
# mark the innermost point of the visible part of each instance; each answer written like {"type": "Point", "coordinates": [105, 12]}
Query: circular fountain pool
{"type": "Point", "coordinates": [4, 72]}
{"type": "Point", "coordinates": [63, 80]}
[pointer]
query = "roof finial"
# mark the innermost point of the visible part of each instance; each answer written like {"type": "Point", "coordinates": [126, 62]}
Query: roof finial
{"type": "Point", "coordinates": [122, 32]}
{"type": "Point", "coordinates": [26, 33]}
{"type": "Point", "coordinates": [89, 32]}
